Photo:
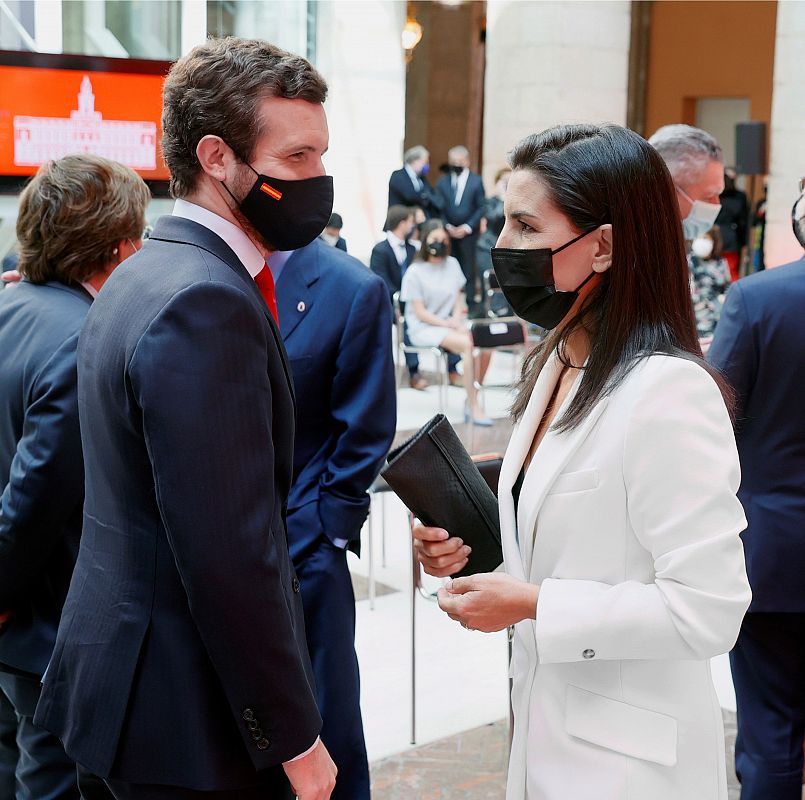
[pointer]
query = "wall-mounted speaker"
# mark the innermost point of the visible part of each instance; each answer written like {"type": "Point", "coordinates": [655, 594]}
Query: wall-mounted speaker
{"type": "Point", "coordinates": [750, 148]}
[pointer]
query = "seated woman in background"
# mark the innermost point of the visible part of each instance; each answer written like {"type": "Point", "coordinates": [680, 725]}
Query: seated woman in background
{"type": "Point", "coordinates": [435, 310]}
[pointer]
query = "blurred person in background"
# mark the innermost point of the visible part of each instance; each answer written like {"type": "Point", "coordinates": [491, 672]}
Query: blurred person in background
{"type": "Point", "coordinates": [332, 233]}
{"type": "Point", "coordinates": [759, 346]}
{"type": "Point", "coordinates": [492, 225]}
{"type": "Point", "coordinates": [409, 186]}
{"type": "Point", "coordinates": [696, 163]}
{"type": "Point", "coordinates": [335, 320]}
{"type": "Point", "coordinates": [463, 197]}
{"type": "Point", "coordinates": [79, 218]}
{"type": "Point", "coordinates": [624, 570]}
{"type": "Point", "coordinates": [435, 312]}
{"type": "Point", "coordinates": [709, 281]}
{"type": "Point", "coordinates": [733, 223]}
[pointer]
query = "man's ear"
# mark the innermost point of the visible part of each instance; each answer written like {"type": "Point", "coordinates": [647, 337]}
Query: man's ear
{"type": "Point", "coordinates": [602, 260]}
{"type": "Point", "coordinates": [215, 156]}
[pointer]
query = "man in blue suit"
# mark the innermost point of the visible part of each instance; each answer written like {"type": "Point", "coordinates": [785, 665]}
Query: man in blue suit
{"type": "Point", "coordinates": [180, 669]}
{"type": "Point", "coordinates": [93, 210]}
{"type": "Point", "coordinates": [463, 197]}
{"type": "Point", "coordinates": [759, 345]}
{"type": "Point", "coordinates": [335, 319]}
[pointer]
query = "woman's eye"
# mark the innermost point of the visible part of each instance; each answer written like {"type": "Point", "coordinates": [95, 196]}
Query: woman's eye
{"type": "Point", "coordinates": [524, 228]}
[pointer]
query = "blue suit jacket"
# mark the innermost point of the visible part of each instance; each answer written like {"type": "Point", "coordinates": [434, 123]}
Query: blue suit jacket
{"type": "Point", "coordinates": [181, 656]}
{"type": "Point", "coordinates": [335, 318]}
{"type": "Point", "coordinates": [384, 264]}
{"type": "Point", "coordinates": [759, 345]}
{"type": "Point", "coordinates": [41, 472]}
{"type": "Point", "coordinates": [403, 193]}
{"type": "Point", "coordinates": [471, 208]}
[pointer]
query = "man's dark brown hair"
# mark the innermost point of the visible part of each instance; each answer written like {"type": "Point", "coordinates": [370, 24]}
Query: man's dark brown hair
{"type": "Point", "coordinates": [216, 90]}
{"type": "Point", "coordinates": [72, 215]}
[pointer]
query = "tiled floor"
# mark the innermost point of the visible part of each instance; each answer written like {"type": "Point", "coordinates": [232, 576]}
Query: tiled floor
{"type": "Point", "coordinates": [471, 766]}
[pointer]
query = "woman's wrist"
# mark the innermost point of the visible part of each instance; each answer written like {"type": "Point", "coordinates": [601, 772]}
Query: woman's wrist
{"type": "Point", "coordinates": [529, 600]}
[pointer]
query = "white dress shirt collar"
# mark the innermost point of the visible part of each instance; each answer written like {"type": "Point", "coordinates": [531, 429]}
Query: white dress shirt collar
{"type": "Point", "coordinates": [240, 244]}
{"type": "Point", "coordinates": [398, 246]}
{"type": "Point", "coordinates": [415, 179]}
{"type": "Point", "coordinates": [460, 184]}
{"type": "Point", "coordinates": [90, 289]}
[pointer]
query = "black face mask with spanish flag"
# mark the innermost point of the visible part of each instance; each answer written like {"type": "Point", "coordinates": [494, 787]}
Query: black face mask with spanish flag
{"type": "Point", "coordinates": [288, 214]}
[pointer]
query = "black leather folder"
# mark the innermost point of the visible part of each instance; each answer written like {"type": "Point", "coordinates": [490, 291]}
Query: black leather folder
{"type": "Point", "coordinates": [437, 480]}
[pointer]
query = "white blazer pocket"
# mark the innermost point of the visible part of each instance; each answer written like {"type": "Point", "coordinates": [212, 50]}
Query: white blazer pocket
{"type": "Point", "coordinates": [579, 481]}
{"type": "Point", "coordinates": [624, 728]}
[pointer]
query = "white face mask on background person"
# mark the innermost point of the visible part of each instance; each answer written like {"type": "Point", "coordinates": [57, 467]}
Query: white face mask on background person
{"type": "Point", "coordinates": [702, 247]}
{"type": "Point", "coordinates": [700, 218]}
{"type": "Point", "coordinates": [330, 239]}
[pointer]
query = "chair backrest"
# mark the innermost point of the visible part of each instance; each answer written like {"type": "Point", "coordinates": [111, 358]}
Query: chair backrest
{"type": "Point", "coordinates": [501, 332]}
{"type": "Point", "coordinates": [489, 465]}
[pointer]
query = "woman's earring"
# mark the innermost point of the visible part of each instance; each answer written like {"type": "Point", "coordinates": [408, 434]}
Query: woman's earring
{"type": "Point", "coordinates": [114, 252]}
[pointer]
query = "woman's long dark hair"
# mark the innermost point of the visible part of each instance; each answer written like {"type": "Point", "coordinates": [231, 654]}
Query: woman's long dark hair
{"type": "Point", "coordinates": [608, 174]}
{"type": "Point", "coordinates": [426, 230]}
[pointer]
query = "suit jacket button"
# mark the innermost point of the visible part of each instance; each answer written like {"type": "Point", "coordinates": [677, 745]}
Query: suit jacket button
{"type": "Point", "coordinates": [295, 585]}
{"type": "Point", "coordinates": [248, 714]}
{"type": "Point", "coordinates": [589, 654]}
{"type": "Point", "coordinates": [263, 744]}
{"type": "Point", "coordinates": [252, 724]}
{"type": "Point", "coordinates": [257, 735]}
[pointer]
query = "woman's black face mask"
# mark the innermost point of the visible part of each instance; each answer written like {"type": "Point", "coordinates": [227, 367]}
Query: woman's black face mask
{"type": "Point", "coordinates": [527, 281]}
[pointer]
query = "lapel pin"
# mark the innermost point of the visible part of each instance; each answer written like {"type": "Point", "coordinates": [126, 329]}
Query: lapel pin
{"type": "Point", "coordinates": [301, 306]}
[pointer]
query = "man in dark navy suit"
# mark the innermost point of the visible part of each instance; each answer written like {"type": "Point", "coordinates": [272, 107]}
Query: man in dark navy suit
{"type": "Point", "coordinates": [180, 668]}
{"type": "Point", "coordinates": [93, 210]}
{"type": "Point", "coordinates": [335, 318]}
{"type": "Point", "coordinates": [409, 186]}
{"type": "Point", "coordinates": [463, 196]}
{"type": "Point", "coordinates": [332, 233]}
{"type": "Point", "coordinates": [759, 345]}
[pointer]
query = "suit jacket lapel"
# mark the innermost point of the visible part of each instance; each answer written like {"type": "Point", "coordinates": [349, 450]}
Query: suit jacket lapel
{"type": "Point", "coordinates": [185, 231]}
{"type": "Point", "coordinates": [294, 296]}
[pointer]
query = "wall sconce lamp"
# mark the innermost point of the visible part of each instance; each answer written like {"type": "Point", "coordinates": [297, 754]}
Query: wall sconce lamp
{"type": "Point", "coordinates": [411, 36]}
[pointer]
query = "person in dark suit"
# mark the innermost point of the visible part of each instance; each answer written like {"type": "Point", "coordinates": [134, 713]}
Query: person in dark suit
{"type": "Point", "coordinates": [409, 186]}
{"type": "Point", "coordinates": [93, 210]}
{"type": "Point", "coordinates": [335, 319]}
{"type": "Point", "coordinates": [332, 233]}
{"type": "Point", "coordinates": [759, 346]}
{"type": "Point", "coordinates": [180, 668]}
{"type": "Point", "coordinates": [463, 196]}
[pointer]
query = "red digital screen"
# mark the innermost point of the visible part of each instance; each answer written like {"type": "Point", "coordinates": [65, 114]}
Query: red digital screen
{"type": "Point", "coordinates": [50, 112]}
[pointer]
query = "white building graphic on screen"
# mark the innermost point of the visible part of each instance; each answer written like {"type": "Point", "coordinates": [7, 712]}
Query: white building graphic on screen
{"type": "Point", "coordinates": [41, 139]}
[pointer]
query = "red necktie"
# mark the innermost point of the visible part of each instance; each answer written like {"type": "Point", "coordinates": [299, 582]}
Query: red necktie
{"type": "Point", "coordinates": [265, 283]}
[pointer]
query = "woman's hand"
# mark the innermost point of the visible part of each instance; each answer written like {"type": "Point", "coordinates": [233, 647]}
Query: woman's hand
{"type": "Point", "coordinates": [489, 602]}
{"type": "Point", "coordinates": [439, 553]}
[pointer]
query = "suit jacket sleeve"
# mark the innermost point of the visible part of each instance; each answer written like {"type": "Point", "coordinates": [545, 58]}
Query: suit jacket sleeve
{"type": "Point", "coordinates": [681, 473]}
{"type": "Point", "coordinates": [733, 351]}
{"type": "Point", "coordinates": [380, 264]}
{"type": "Point", "coordinates": [477, 206]}
{"type": "Point", "coordinates": [46, 480]}
{"type": "Point", "coordinates": [199, 378]}
{"type": "Point", "coordinates": [402, 191]}
{"type": "Point", "coordinates": [364, 409]}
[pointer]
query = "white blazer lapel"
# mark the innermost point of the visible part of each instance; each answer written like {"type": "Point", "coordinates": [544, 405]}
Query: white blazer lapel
{"type": "Point", "coordinates": [555, 450]}
{"type": "Point", "coordinates": [519, 445]}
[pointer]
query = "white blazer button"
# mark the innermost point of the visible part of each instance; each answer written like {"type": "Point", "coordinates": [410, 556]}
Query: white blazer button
{"type": "Point", "coordinates": [301, 307]}
{"type": "Point", "coordinates": [589, 654]}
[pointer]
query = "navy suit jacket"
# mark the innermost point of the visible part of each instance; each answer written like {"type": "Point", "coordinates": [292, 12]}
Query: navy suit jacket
{"type": "Point", "coordinates": [471, 208]}
{"type": "Point", "coordinates": [403, 193]}
{"type": "Point", "coordinates": [41, 472]}
{"type": "Point", "coordinates": [335, 318]}
{"type": "Point", "coordinates": [383, 262]}
{"type": "Point", "coordinates": [181, 656]}
{"type": "Point", "coordinates": [759, 345]}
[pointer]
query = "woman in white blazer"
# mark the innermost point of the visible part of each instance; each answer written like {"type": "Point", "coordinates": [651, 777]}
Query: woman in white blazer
{"type": "Point", "coordinates": [624, 570]}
